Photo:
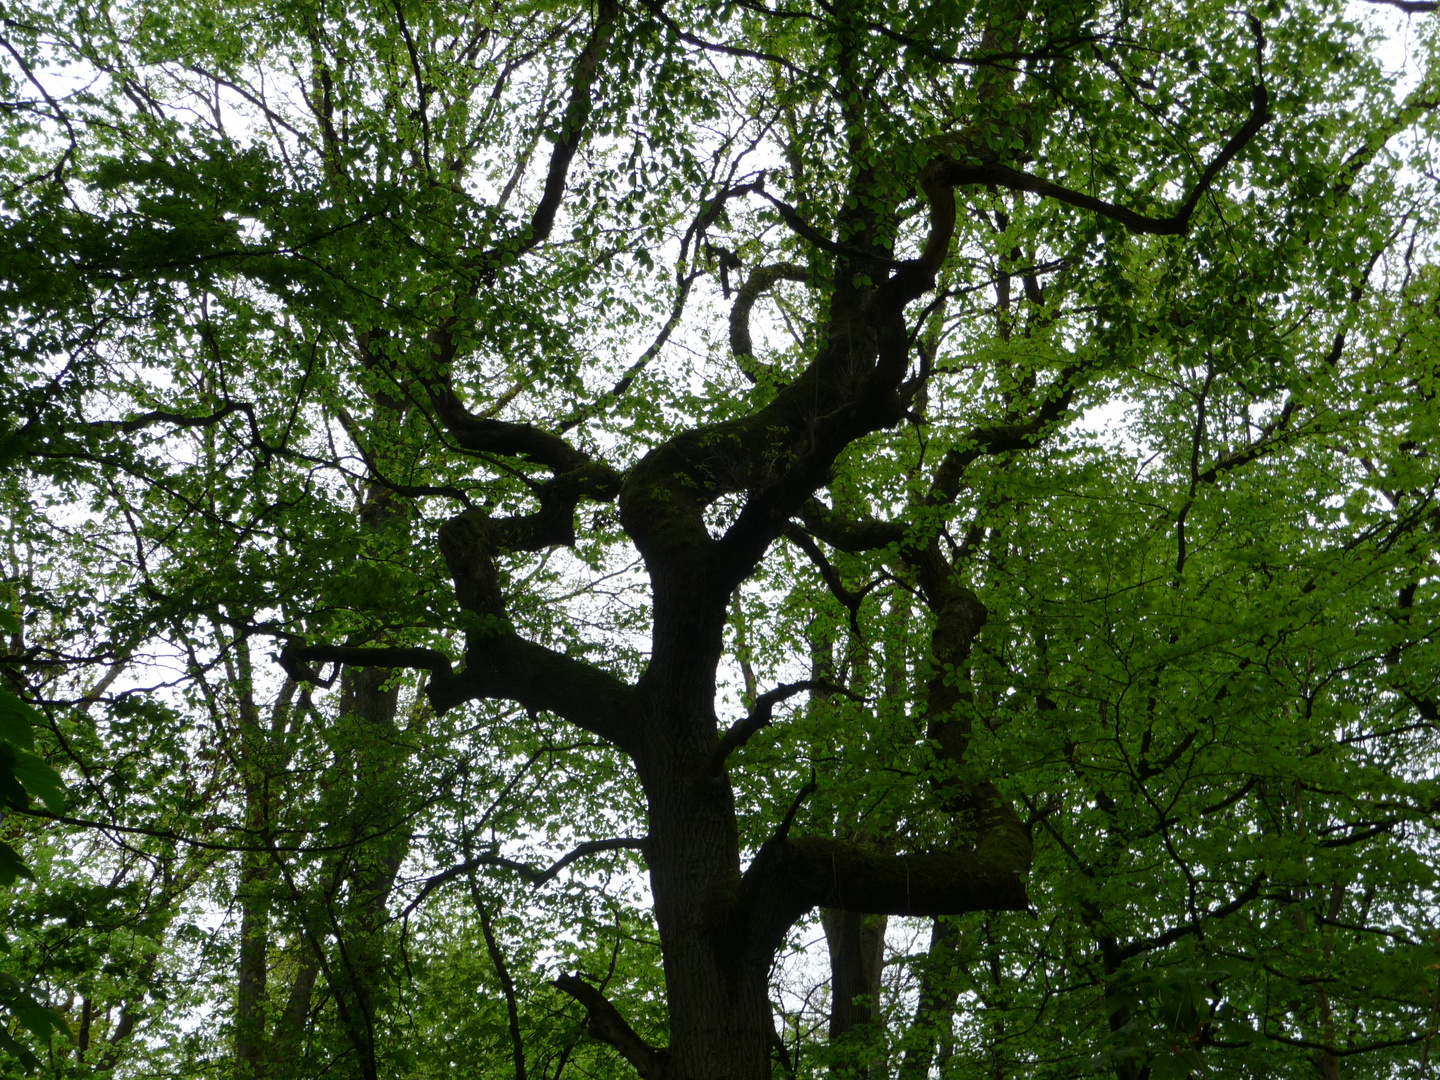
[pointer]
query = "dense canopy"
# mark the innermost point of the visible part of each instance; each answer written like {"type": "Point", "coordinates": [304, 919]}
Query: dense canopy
{"type": "Point", "coordinates": [719, 540]}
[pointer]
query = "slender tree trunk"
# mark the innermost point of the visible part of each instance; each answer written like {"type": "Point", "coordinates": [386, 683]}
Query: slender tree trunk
{"type": "Point", "coordinates": [935, 1002]}
{"type": "Point", "coordinates": [254, 894]}
{"type": "Point", "coordinates": [283, 1052]}
{"type": "Point", "coordinates": [856, 944]}
{"type": "Point", "coordinates": [251, 976]}
{"type": "Point", "coordinates": [380, 843]}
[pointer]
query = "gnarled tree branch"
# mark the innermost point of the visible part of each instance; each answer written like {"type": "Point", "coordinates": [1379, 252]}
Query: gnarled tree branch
{"type": "Point", "coordinates": [761, 279]}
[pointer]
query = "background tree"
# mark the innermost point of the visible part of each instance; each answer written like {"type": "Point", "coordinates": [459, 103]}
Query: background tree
{"type": "Point", "coordinates": [445, 444]}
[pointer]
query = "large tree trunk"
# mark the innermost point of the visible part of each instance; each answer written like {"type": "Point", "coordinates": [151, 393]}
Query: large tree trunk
{"type": "Point", "coordinates": [721, 1027]}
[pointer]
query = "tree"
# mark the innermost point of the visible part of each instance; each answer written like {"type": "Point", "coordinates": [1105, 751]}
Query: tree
{"type": "Point", "coordinates": [329, 316]}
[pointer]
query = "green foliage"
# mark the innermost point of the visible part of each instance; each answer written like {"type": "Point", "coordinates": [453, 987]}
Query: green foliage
{"type": "Point", "coordinates": [1192, 483]}
{"type": "Point", "coordinates": [22, 776]}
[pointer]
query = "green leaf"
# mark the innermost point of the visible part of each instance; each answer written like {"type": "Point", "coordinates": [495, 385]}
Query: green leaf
{"type": "Point", "coordinates": [16, 721]}
{"type": "Point", "coordinates": [40, 780]}
{"type": "Point", "coordinates": [10, 1046]}
{"type": "Point", "coordinates": [12, 867]}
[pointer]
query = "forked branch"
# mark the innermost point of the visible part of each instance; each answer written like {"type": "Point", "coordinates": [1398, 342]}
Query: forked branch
{"type": "Point", "coordinates": [973, 170]}
{"type": "Point", "coordinates": [534, 876]}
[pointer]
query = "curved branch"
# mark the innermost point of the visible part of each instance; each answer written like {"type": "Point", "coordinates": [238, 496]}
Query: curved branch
{"type": "Point", "coordinates": [507, 984]}
{"type": "Point", "coordinates": [869, 534]}
{"type": "Point", "coordinates": [1001, 438]}
{"type": "Point", "coordinates": [848, 598]}
{"type": "Point", "coordinates": [488, 436]}
{"type": "Point", "coordinates": [607, 1025]}
{"type": "Point", "coordinates": [806, 231]}
{"type": "Point", "coordinates": [656, 8]}
{"type": "Point", "coordinates": [851, 388]}
{"type": "Point", "coordinates": [761, 279]}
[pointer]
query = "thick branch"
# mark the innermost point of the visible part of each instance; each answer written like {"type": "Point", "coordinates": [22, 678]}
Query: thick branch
{"type": "Point", "coordinates": [488, 436]}
{"type": "Point", "coordinates": [503, 666]}
{"type": "Point", "coordinates": [780, 454]}
{"type": "Point", "coordinates": [865, 534]}
{"type": "Point", "coordinates": [499, 663]}
{"type": "Point", "coordinates": [607, 1025]}
{"type": "Point", "coordinates": [790, 877]}
{"type": "Point", "coordinates": [295, 661]}
{"type": "Point", "coordinates": [576, 477]}
{"type": "Point", "coordinates": [869, 534]}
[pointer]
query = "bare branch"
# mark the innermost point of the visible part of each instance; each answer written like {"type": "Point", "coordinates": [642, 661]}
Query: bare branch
{"type": "Point", "coordinates": [760, 716]}
{"type": "Point", "coordinates": [535, 877]}
{"type": "Point", "coordinates": [973, 170]}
